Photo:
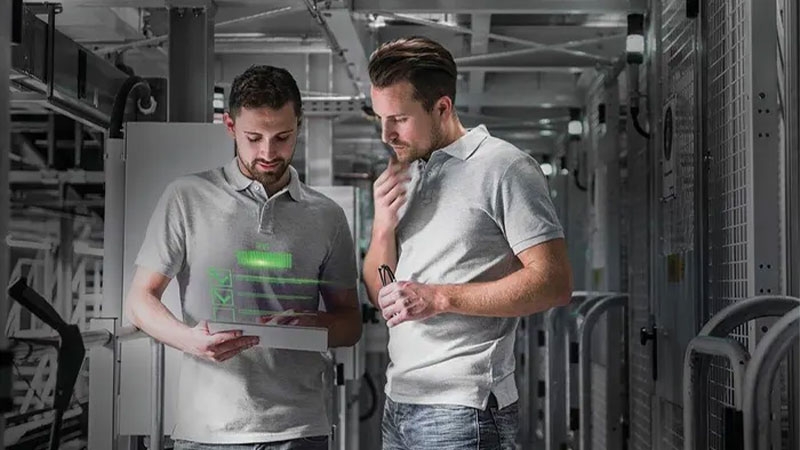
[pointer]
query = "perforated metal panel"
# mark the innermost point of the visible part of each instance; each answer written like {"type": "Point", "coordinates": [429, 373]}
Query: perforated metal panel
{"type": "Point", "coordinates": [678, 149]}
{"type": "Point", "coordinates": [727, 137]}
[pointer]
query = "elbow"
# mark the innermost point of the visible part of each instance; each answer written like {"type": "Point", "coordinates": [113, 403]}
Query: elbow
{"type": "Point", "coordinates": [356, 333]}
{"type": "Point", "coordinates": [352, 334]}
{"type": "Point", "coordinates": [130, 311]}
{"type": "Point", "coordinates": [354, 338]}
{"type": "Point", "coordinates": [563, 295]}
{"type": "Point", "coordinates": [563, 298]}
{"type": "Point", "coordinates": [129, 314]}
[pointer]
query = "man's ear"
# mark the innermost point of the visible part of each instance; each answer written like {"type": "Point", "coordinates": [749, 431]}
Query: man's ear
{"type": "Point", "coordinates": [227, 119]}
{"type": "Point", "coordinates": [443, 105]}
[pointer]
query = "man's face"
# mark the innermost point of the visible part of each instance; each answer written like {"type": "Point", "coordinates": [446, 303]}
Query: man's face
{"type": "Point", "coordinates": [265, 141]}
{"type": "Point", "coordinates": [412, 131]}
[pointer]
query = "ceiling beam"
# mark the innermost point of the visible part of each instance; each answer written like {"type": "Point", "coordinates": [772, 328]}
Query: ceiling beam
{"type": "Point", "coordinates": [525, 69]}
{"type": "Point", "coordinates": [501, 6]}
{"type": "Point", "coordinates": [529, 51]}
{"type": "Point", "coordinates": [343, 38]}
{"type": "Point", "coordinates": [530, 99]}
{"type": "Point", "coordinates": [270, 45]}
{"type": "Point", "coordinates": [533, 45]}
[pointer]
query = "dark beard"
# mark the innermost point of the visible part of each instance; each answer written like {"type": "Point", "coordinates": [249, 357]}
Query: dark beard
{"type": "Point", "coordinates": [268, 178]}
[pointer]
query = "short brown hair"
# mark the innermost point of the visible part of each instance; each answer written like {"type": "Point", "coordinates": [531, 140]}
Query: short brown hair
{"type": "Point", "coordinates": [424, 63]}
{"type": "Point", "coordinates": [264, 86]}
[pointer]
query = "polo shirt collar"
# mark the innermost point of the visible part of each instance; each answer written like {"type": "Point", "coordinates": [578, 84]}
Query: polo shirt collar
{"type": "Point", "coordinates": [466, 145]}
{"type": "Point", "coordinates": [240, 182]}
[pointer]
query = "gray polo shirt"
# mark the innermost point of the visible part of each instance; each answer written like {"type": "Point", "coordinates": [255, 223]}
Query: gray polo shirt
{"type": "Point", "coordinates": [236, 255]}
{"type": "Point", "coordinates": [471, 209]}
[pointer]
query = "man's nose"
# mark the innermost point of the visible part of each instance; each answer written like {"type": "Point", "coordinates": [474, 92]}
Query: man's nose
{"type": "Point", "coordinates": [266, 150]}
{"type": "Point", "coordinates": [387, 134]}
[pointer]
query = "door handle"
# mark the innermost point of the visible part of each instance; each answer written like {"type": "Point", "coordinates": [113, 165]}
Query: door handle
{"type": "Point", "coordinates": [646, 335]}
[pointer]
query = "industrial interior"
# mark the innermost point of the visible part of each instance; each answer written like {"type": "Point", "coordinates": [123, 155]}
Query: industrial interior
{"type": "Point", "coordinates": [668, 132]}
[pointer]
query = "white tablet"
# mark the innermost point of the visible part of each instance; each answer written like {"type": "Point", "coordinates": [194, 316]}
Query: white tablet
{"type": "Point", "coordinates": [288, 337]}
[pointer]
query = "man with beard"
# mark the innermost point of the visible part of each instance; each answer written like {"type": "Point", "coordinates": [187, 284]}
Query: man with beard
{"type": "Point", "coordinates": [234, 394]}
{"type": "Point", "coordinates": [466, 222]}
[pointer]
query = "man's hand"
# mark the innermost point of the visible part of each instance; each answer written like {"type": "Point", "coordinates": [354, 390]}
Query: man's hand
{"type": "Point", "coordinates": [405, 300]}
{"type": "Point", "coordinates": [389, 194]}
{"type": "Point", "coordinates": [220, 346]}
{"type": "Point", "coordinates": [297, 318]}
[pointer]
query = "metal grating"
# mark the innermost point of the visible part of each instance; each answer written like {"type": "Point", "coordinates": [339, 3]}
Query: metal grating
{"type": "Point", "coordinates": [599, 415]}
{"type": "Point", "coordinates": [678, 34]}
{"type": "Point", "coordinates": [727, 141]}
{"type": "Point", "coordinates": [641, 381]}
{"type": "Point", "coordinates": [677, 279]}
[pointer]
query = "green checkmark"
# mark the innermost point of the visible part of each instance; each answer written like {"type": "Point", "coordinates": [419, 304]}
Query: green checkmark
{"type": "Point", "coordinates": [221, 277]}
{"type": "Point", "coordinates": [222, 296]}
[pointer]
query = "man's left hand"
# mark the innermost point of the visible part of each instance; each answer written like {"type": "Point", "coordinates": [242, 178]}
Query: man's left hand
{"type": "Point", "coordinates": [403, 301]}
{"type": "Point", "coordinates": [296, 318]}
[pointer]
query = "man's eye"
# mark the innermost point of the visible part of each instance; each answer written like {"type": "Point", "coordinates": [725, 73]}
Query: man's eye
{"type": "Point", "coordinates": [400, 119]}
{"type": "Point", "coordinates": [282, 138]}
{"type": "Point", "coordinates": [253, 139]}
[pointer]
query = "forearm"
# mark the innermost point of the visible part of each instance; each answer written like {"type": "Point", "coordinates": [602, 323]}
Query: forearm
{"type": "Point", "coordinates": [149, 314]}
{"type": "Point", "coordinates": [344, 327]}
{"type": "Point", "coordinates": [522, 293]}
{"type": "Point", "coordinates": [382, 250]}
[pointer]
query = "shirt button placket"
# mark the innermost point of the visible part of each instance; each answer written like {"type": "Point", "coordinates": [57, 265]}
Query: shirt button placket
{"type": "Point", "coordinates": [266, 218]}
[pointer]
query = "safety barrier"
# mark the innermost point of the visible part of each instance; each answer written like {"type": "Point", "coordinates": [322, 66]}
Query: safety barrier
{"type": "Point", "coordinates": [695, 368]}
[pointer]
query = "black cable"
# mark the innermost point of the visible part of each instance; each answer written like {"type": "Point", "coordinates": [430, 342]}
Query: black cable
{"type": "Point", "coordinates": [576, 174]}
{"type": "Point", "coordinates": [373, 392]}
{"type": "Point", "coordinates": [635, 116]}
{"type": "Point", "coordinates": [136, 85]}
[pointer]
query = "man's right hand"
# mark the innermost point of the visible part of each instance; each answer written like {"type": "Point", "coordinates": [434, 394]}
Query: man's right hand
{"type": "Point", "coordinates": [219, 346]}
{"type": "Point", "coordinates": [389, 194]}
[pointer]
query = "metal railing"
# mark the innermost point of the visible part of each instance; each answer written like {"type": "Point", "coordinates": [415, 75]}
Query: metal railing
{"type": "Point", "coordinates": [759, 379]}
{"type": "Point", "coordinates": [586, 323]}
{"type": "Point", "coordinates": [697, 369]}
{"type": "Point", "coordinates": [561, 385]}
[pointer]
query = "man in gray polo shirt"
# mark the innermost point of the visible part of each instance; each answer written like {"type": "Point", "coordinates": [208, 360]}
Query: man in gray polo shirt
{"type": "Point", "coordinates": [247, 241]}
{"type": "Point", "coordinates": [466, 221]}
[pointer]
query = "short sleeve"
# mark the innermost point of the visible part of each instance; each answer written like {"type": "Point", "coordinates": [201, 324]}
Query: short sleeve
{"type": "Point", "coordinates": [338, 270]}
{"type": "Point", "coordinates": [523, 207]}
{"type": "Point", "coordinates": [164, 246]}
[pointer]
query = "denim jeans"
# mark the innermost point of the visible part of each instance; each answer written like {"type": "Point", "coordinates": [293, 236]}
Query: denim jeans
{"type": "Point", "coordinates": [305, 443]}
{"type": "Point", "coordinates": [449, 427]}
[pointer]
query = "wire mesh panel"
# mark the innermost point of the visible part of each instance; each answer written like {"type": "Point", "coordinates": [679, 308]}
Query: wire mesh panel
{"type": "Point", "coordinates": [676, 272]}
{"type": "Point", "coordinates": [727, 140]}
{"type": "Point", "coordinates": [635, 204]}
{"type": "Point", "coordinates": [680, 115]}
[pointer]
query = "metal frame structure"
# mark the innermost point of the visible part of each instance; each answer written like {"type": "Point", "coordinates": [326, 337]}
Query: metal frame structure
{"type": "Point", "coordinates": [759, 381]}
{"type": "Point", "coordinates": [737, 357]}
{"type": "Point", "coordinates": [720, 326]}
{"type": "Point", "coordinates": [559, 350]}
{"type": "Point", "coordinates": [586, 324]}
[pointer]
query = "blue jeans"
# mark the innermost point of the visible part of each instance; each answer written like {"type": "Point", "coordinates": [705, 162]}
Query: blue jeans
{"type": "Point", "coordinates": [449, 427]}
{"type": "Point", "coordinates": [305, 443]}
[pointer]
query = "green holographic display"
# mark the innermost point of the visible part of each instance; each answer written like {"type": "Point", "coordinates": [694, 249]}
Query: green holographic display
{"type": "Point", "coordinates": [256, 259]}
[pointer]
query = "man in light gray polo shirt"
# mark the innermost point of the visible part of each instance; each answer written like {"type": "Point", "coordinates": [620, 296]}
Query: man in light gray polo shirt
{"type": "Point", "coordinates": [467, 224]}
{"type": "Point", "coordinates": [247, 241]}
